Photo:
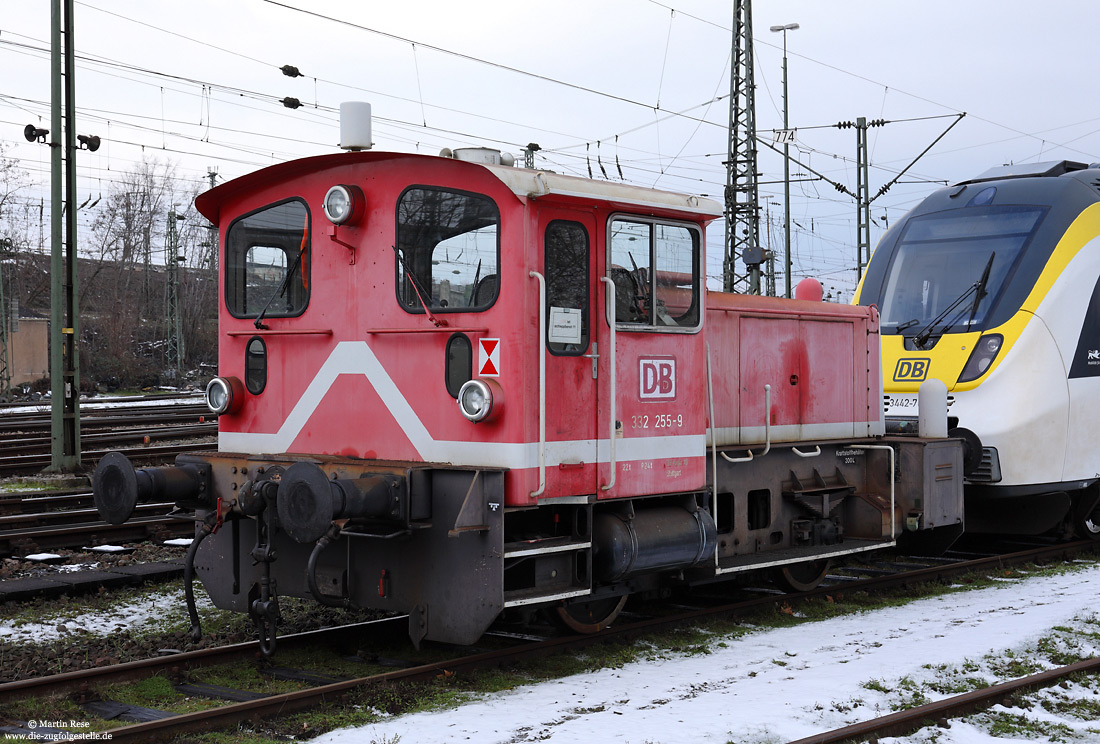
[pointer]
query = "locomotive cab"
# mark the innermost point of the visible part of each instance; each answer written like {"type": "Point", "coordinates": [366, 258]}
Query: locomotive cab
{"type": "Point", "coordinates": [453, 388]}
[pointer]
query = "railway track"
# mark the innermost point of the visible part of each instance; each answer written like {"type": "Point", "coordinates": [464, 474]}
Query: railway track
{"type": "Point", "coordinates": [28, 540]}
{"type": "Point", "coordinates": [143, 453]}
{"type": "Point", "coordinates": [136, 426]}
{"type": "Point", "coordinates": [35, 523]}
{"type": "Point", "coordinates": [104, 418]}
{"type": "Point", "coordinates": [150, 434]}
{"type": "Point", "coordinates": [29, 503]}
{"type": "Point", "coordinates": [907, 721]}
{"type": "Point", "coordinates": [519, 648]}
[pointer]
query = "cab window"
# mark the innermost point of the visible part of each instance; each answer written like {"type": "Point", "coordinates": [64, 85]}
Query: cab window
{"type": "Point", "coordinates": [267, 262]}
{"type": "Point", "coordinates": [448, 250]}
{"type": "Point", "coordinates": [566, 246]}
{"type": "Point", "coordinates": [655, 267]}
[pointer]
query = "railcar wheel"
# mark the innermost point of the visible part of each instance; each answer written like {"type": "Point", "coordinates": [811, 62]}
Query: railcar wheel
{"type": "Point", "coordinates": [589, 617]}
{"type": "Point", "coordinates": [1088, 526]}
{"type": "Point", "coordinates": [802, 577]}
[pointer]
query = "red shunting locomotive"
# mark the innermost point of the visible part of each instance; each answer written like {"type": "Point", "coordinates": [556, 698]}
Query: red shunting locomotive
{"type": "Point", "coordinates": [450, 387]}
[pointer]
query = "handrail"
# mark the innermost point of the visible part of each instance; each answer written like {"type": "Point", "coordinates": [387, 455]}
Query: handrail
{"type": "Point", "coordinates": [542, 383]}
{"type": "Point", "coordinates": [609, 285]}
{"type": "Point", "coordinates": [439, 329]}
{"type": "Point", "coordinates": [282, 332]}
{"type": "Point", "coordinates": [767, 429]}
{"type": "Point", "coordinates": [807, 454]}
{"type": "Point", "coordinates": [713, 448]}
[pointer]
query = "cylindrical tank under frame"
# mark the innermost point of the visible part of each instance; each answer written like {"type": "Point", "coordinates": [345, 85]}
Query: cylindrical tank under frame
{"type": "Point", "coordinates": [628, 541]}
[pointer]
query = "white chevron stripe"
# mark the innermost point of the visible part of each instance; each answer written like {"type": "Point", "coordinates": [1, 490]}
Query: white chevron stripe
{"type": "Point", "coordinates": [357, 358]}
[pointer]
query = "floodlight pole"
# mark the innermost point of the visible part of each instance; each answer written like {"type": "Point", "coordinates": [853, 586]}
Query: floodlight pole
{"type": "Point", "coordinates": [786, 162]}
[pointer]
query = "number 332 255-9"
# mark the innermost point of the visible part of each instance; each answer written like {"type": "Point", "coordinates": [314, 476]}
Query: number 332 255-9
{"type": "Point", "coordinates": [657, 421]}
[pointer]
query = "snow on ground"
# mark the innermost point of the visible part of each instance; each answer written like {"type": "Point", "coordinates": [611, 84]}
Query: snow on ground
{"type": "Point", "coordinates": [108, 400]}
{"type": "Point", "coordinates": [150, 609]}
{"type": "Point", "coordinates": [778, 685]}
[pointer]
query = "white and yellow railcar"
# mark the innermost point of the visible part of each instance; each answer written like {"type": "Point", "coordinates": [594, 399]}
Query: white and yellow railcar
{"type": "Point", "coordinates": [993, 287]}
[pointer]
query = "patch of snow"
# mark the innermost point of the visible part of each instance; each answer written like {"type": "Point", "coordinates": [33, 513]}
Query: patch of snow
{"type": "Point", "coordinates": [154, 608]}
{"type": "Point", "coordinates": [74, 567]}
{"type": "Point", "coordinates": [181, 542]}
{"type": "Point", "coordinates": [41, 557]}
{"type": "Point", "coordinates": [772, 685]}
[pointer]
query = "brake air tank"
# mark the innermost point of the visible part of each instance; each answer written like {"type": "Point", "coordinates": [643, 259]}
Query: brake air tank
{"type": "Point", "coordinates": [651, 539]}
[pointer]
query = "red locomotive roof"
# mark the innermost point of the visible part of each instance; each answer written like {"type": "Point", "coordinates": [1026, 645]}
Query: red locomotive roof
{"type": "Point", "coordinates": [525, 183]}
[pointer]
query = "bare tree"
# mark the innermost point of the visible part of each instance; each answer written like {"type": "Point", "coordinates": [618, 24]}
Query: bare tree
{"type": "Point", "coordinates": [13, 179]}
{"type": "Point", "coordinates": [123, 286]}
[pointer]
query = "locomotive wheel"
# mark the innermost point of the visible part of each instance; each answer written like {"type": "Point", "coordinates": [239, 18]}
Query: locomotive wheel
{"type": "Point", "coordinates": [802, 577]}
{"type": "Point", "coordinates": [589, 617]}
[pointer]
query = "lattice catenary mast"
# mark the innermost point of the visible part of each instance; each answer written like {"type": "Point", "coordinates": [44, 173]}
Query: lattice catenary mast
{"type": "Point", "coordinates": [742, 178]}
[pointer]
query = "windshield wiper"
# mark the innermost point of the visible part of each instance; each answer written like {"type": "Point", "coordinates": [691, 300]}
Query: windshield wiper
{"type": "Point", "coordinates": [279, 292]}
{"type": "Point", "coordinates": [979, 286]}
{"type": "Point", "coordinates": [418, 288]}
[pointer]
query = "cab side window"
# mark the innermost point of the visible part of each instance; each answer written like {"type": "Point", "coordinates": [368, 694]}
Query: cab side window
{"type": "Point", "coordinates": [567, 287]}
{"type": "Point", "coordinates": [656, 270]}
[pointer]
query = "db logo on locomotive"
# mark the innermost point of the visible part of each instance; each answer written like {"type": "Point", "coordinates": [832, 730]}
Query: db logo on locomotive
{"type": "Point", "coordinates": [657, 379]}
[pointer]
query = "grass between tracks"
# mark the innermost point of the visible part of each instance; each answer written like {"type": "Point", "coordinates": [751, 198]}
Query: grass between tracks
{"type": "Point", "coordinates": [376, 703]}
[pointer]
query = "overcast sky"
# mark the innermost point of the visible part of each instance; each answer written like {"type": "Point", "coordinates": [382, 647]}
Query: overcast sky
{"type": "Point", "coordinates": [639, 86]}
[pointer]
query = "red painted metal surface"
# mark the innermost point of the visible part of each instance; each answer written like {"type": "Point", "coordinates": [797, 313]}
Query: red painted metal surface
{"type": "Point", "coordinates": [357, 375]}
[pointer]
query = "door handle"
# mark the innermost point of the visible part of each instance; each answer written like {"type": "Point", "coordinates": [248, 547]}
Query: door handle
{"type": "Point", "coordinates": [595, 357]}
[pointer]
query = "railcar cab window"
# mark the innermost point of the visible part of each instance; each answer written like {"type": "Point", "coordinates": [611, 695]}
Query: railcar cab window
{"type": "Point", "coordinates": [949, 268]}
{"type": "Point", "coordinates": [267, 262]}
{"type": "Point", "coordinates": [655, 267]}
{"type": "Point", "coordinates": [448, 250]}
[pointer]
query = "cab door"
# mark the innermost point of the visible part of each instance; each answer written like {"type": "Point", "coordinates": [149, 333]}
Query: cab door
{"type": "Point", "coordinates": [653, 407]}
{"type": "Point", "coordinates": [567, 243]}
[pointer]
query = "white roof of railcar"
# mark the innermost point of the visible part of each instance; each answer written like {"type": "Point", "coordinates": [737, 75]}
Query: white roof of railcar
{"type": "Point", "coordinates": [533, 184]}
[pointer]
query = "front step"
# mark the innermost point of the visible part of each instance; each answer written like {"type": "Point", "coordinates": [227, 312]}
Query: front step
{"type": "Point", "coordinates": [546, 570]}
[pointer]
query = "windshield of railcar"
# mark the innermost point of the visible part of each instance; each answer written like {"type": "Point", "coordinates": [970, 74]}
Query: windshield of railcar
{"type": "Point", "coordinates": [948, 268]}
{"type": "Point", "coordinates": [448, 250]}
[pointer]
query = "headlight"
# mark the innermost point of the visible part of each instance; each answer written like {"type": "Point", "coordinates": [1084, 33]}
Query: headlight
{"type": "Point", "coordinates": [343, 204]}
{"type": "Point", "coordinates": [480, 400]}
{"type": "Point", "coordinates": [985, 351]}
{"type": "Point", "coordinates": [224, 394]}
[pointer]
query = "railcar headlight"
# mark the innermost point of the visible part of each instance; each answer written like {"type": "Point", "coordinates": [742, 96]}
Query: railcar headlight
{"type": "Point", "coordinates": [224, 394]}
{"type": "Point", "coordinates": [480, 400]}
{"type": "Point", "coordinates": [343, 204]}
{"type": "Point", "coordinates": [985, 351]}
